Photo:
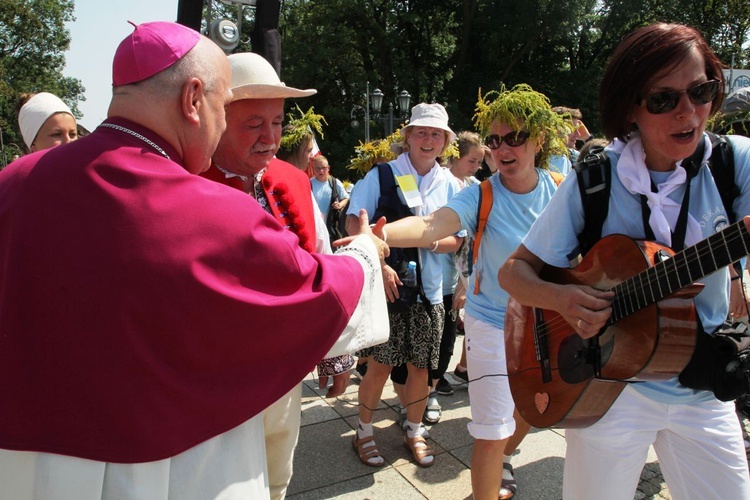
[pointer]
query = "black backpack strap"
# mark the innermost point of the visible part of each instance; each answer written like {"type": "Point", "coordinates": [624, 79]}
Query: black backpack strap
{"type": "Point", "coordinates": [391, 206]}
{"type": "Point", "coordinates": [334, 191]}
{"type": "Point", "coordinates": [721, 164]}
{"type": "Point", "coordinates": [389, 203]}
{"type": "Point", "coordinates": [594, 172]}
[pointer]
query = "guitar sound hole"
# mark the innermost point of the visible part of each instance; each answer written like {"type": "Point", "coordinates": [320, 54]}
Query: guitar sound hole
{"type": "Point", "coordinates": [573, 360]}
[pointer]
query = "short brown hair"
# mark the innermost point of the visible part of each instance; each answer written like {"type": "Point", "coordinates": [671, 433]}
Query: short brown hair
{"type": "Point", "coordinates": [642, 57]}
{"type": "Point", "coordinates": [573, 112]}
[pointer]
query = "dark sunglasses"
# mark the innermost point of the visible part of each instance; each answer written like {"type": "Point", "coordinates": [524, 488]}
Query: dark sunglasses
{"type": "Point", "coordinates": [666, 100]}
{"type": "Point", "coordinates": [512, 139]}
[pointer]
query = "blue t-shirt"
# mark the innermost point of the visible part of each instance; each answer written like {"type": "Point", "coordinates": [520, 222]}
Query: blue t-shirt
{"type": "Point", "coordinates": [442, 189]}
{"type": "Point", "coordinates": [511, 217]}
{"type": "Point", "coordinates": [322, 194]}
{"type": "Point", "coordinates": [553, 238]}
{"type": "Point", "coordinates": [450, 274]}
{"type": "Point", "coordinates": [560, 164]}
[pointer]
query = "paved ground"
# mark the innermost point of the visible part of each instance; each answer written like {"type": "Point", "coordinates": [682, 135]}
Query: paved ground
{"type": "Point", "coordinates": [325, 465]}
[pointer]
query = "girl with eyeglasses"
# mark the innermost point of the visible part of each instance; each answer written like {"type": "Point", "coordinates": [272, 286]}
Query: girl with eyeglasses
{"type": "Point", "coordinates": [661, 85]}
{"type": "Point", "coordinates": [522, 132]}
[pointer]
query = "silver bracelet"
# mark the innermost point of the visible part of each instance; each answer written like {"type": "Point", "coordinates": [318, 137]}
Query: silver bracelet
{"type": "Point", "coordinates": [435, 246]}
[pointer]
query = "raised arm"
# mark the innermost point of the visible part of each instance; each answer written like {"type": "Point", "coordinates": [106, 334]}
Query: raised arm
{"type": "Point", "coordinates": [424, 232]}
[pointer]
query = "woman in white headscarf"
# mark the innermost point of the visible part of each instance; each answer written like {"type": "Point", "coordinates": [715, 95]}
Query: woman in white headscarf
{"type": "Point", "coordinates": [45, 121]}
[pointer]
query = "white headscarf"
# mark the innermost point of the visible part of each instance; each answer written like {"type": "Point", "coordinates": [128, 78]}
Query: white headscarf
{"type": "Point", "coordinates": [633, 173]}
{"type": "Point", "coordinates": [35, 112]}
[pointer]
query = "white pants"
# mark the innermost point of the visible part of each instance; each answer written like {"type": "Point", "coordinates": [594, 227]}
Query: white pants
{"type": "Point", "coordinates": [700, 449]}
{"type": "Point", "coordinates": [489, 392]}
{"type": "Point", "coordinates": [281, 421]}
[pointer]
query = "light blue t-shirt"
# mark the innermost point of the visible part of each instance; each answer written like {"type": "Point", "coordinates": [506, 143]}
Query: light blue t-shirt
{"type": "Point", "coordinates": [511, 217]}
{"type": "Point", "coordinates": [322, 194]}
{"type": "Point", "coordinates": [442, 189]}
{"type": "Point", "coordinates": [560, 164]}
{"type": "Point", "coordinates": [553, 238]}
{"type": "Point", "coordinates": [450, 274]}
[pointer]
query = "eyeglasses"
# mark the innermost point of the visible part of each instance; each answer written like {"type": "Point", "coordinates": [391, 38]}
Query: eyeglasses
{"type": "Point", "coordinates": [512, 139]}
{"type": "Point", "coordinates": [666, 100]}
{"type": "Point", "coordinates": [320, 168]}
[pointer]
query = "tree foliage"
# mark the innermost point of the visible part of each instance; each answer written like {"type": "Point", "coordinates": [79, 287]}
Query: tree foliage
{"type": "Point", "coordinates": [33, 40]}
{"type": "Point", "coordinates": [438, 50]}
{"type": "Point", "coordinates": [445, 50]}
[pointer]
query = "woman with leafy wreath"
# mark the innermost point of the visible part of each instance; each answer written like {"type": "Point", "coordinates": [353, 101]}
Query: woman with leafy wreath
{"type": "Point", "coordinates": [297, 138]}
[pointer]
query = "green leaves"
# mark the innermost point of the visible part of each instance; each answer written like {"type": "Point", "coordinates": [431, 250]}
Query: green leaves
{"type": "Point", "coordinates": [33, 41]}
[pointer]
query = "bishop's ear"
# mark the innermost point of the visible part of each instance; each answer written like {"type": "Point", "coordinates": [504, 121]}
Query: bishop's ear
{"type": "Point", "coordinates": [192, 99]}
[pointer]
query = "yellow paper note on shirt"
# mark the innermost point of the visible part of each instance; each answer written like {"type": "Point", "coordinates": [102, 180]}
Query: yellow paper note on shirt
{"type": "Point", "coordinates": [408, 185]}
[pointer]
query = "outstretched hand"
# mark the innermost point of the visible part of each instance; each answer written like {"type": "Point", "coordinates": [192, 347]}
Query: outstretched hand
{"type": "Point", "coordinates": [375, 232]}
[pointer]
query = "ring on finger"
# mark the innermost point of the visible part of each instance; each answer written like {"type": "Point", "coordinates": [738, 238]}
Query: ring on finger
{"type": "Point", "coordinates": [580, 321]}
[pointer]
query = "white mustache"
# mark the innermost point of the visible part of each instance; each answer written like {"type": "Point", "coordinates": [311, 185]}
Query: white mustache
{"type": "Point", "coordinates": [263, 148]}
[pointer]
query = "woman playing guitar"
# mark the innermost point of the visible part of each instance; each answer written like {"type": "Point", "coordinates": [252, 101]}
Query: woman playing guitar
{"type": "Point", "coordinates": [660, 87]}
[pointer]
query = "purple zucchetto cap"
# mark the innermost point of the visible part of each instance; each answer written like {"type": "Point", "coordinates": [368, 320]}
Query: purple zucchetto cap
{"type": "Point", "coordinates": [149, 49]}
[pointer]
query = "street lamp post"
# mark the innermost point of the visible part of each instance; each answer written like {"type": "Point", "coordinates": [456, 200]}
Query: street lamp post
{"type": "Point", "coordinates": [374, 102]}
{"type": "Point", "coordinates": [403, 102]}
{"type": "Point", "coordinates": [366, 111]}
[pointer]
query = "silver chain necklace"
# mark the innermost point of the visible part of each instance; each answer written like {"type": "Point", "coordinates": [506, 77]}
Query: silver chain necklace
{"type": "Point", "coordinates": [137, 136]}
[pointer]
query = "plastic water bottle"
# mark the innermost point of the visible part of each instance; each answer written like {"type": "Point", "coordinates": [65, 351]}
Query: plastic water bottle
{"type": "Point", "coordinates": [410, 275]}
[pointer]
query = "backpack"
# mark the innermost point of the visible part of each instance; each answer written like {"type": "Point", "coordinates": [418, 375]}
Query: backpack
{"type": "Point", "coordinates": [483, 214]}
{"type": "Point", "coordinates": [392, 208]}
{"type": "Point", "coordinates": [333, 221]}
{"type": "Point", "coordinates": [595, 180]}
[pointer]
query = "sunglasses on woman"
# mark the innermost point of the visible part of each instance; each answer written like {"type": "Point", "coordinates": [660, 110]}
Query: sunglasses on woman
{"type": "Point", "coordinates": [512, 139]}
{"type": "Point", "coordinates": [665, 101]}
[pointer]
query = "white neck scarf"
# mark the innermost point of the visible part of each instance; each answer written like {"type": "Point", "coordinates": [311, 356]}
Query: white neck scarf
{"type": "Point", "coordinates": [634, 175]}
{"type": "Point", "coordinates": [403, 166]}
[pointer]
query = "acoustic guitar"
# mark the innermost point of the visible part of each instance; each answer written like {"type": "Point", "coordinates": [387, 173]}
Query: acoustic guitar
{"type": "Point", "coordinates": [560, 379]}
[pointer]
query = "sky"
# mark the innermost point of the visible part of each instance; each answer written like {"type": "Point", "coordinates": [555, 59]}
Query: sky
{"type": "Point", "coordinates": [99, 28]}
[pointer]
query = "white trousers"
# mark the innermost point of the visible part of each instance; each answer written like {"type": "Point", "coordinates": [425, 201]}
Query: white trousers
{"type": "Point", "coordinates": [281, 421]}
{"type": "Point", "coordinates": [229, 466]}
{"type": "Point", "coordinates": [700, 450]}
{"type": "Point", "coordinates": [489, 392]}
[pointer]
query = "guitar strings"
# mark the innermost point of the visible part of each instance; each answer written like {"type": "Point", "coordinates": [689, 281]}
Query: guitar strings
{"type": "Point", "coordinates": [560, 327]}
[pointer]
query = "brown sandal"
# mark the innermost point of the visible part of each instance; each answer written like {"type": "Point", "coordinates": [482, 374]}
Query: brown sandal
{"type": "Point", "coordinates": [419, 450]}
{"type": "Point", "coordinates": [365, 453]}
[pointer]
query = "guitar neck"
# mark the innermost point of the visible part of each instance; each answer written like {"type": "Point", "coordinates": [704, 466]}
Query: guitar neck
{"type": "Point", "coordinates": [679, 271]}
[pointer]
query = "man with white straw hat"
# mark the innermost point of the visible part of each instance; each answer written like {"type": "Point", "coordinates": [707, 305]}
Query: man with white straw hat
{"type": "Point", "coordinates": [140, 303]}
{"type": "Point", "coordinates": [245, 160]}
